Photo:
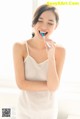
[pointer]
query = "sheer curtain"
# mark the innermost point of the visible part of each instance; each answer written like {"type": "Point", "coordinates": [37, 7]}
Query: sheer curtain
{"type": "Point", "coordinates": [15, 25]}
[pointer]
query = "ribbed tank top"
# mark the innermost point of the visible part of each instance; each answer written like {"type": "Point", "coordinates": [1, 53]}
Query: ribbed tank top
{"type": "Point", "coordinates": [32, 102]}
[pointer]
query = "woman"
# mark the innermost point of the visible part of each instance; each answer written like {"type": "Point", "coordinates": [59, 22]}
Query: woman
{"type": "Point", "coordinates": [38, 67]}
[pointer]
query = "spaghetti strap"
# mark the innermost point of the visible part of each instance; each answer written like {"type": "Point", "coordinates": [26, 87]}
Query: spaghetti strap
{"type": "Point", "coordinates": [27, 47]}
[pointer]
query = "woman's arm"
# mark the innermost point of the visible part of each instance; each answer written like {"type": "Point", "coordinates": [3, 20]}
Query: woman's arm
{"type": "Point", "coordinates": [23, 83]}
{"type": "Point", "coordinates": [55, 66]}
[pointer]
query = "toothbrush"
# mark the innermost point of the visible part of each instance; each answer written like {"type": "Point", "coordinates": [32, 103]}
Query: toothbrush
{"type": "Point", "coordinates": [43, 35]}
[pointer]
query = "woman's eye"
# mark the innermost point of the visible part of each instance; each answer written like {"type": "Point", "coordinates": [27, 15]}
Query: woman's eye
{"type": "Point", "coordinates": [50, 23]}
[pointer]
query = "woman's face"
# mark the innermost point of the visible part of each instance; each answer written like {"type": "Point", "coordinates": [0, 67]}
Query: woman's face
{"type": "Point", "coordinates": [46, 24]}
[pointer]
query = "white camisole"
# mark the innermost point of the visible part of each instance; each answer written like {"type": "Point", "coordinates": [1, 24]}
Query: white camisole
{"type": "Point", "coordinates": [36, 104]}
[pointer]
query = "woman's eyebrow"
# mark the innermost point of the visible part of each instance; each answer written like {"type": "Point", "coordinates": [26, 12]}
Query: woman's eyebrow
{"type": "Point", "coordinates": [51, 20]}
{"type": "Point", "coordinates": [48, 20]}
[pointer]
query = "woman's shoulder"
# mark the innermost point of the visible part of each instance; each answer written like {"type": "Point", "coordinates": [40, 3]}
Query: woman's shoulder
{"type": "Point", "coordinates": [59, 48]}
{"type": "Point", "coordinates": [19, 47]}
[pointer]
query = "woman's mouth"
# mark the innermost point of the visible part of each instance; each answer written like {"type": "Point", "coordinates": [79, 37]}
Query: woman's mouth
{"type": "Point", "coordinates": [42, 33]}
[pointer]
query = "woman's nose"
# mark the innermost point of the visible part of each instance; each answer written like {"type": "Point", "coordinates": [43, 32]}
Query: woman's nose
{"type": "Point", "coordinates": [44, 27]}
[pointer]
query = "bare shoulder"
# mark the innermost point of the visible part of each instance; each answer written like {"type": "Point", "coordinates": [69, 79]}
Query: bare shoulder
{"type": "Point", "coordinates": [60, 50]}
{"type": "Point", "coordinates": [18, 48]}
{"type": "Point", "coordinates": [17, 45]}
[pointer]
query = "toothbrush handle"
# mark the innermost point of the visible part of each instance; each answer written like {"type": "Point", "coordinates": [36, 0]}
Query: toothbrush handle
{"type": "Point", "coordinates": [46, 42]}
{"type": "Point", "coordinates": [48, 45]}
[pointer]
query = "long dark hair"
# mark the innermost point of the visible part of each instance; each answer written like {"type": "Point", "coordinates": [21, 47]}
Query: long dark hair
{"type": "Point", "coordinates": [42, 9]}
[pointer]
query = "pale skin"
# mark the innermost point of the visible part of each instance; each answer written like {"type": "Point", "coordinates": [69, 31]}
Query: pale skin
{"type": "Point", "coordinates": [40, 52]}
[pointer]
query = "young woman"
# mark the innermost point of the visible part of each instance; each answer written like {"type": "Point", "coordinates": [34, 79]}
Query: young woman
{"type": "Point", "coordinates": [38, 64]}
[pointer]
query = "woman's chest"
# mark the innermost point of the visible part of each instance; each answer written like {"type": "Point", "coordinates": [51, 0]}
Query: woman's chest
{"type": "Point", "coordinates": [34, 70]}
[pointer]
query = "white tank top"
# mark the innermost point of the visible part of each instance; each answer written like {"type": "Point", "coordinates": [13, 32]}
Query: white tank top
{"type": "Point", "coordinates": [36, 101]}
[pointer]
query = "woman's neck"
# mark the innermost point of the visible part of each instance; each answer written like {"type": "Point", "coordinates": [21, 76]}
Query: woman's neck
{"type": "Point", "coordinates": [38, 43]}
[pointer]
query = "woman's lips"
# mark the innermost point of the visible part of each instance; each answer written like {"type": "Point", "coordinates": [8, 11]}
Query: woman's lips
{"type": "Point", "coordinates": [44, 33]}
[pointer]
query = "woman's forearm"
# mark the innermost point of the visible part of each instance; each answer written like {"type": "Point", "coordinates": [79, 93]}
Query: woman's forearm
{"type": "Point", "coordinates": [33, 85]}
{"type": "Point", "coordinates": [53, 79]}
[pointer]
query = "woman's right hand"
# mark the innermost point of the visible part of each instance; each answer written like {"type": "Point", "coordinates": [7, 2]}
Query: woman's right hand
{"type": "Point", "coordinates": [50, 48]}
